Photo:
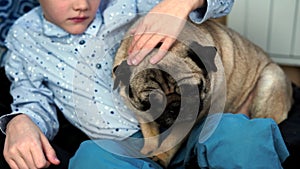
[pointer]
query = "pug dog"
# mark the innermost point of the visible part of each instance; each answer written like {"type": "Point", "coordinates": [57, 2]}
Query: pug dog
{"type": "Point", "coordinates": [206, 62]}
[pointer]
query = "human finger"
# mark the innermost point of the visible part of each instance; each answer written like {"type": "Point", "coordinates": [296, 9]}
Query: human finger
{"type": "Point", "coordinates": [137, 44]}
{"type": "Point", "coordinates": [29, 160]}
{"type": "Point", "coordinates": [141, 51]}
{"type": "Point", "coordinates": [164, 48]}
{"type": "Point", "coordinates": [12, 164]}
{"type": "Point", "coordinates": [17, 156]}
{"type": "Point", "coordinates": [49, 151]}
{"type": "Point", "coordinates": [39, 158]}
{"type": "Point", "coordinates": [136, 47]}
{"type": "Point", "coordinates": [137, 33]}
{"type": "Point", "coordinates": [26, 152]}
{"type": "Point", "coordinates": [138, 56]}
{"type": "Point", "coordinates": [16, 162]}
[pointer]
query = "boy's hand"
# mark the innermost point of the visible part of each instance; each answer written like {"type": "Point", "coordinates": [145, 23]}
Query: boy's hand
{"type": "Point", "coordinates": [161, 25]}
{"type": "Point", "coordinates": [26, 146]}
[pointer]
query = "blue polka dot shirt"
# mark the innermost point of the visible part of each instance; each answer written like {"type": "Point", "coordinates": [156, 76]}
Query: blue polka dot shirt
{"type": "Point", "coordinates": [50, 68]}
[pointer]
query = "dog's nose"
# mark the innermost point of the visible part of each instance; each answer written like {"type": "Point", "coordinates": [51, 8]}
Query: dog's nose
{"type": "Point", "coordinates": [157, 101]}
{"type": "Point", "coordinates": [173, 108]}
{"type": "Point", "coordinates": [169, 115]}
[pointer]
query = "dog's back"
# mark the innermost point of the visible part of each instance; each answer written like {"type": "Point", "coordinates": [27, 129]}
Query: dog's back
{"type": "Point", "coordinates": [249, 70]}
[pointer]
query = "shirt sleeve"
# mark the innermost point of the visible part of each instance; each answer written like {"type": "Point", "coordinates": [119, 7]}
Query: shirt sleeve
{"type": "Point", "coordinates": [212, 9]}
{"type": "Point", "coordinates": [30, 96]}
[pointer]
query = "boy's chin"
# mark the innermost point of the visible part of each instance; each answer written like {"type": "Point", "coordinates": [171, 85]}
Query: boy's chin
{"type": "Point", "coordinates": [75, 29]}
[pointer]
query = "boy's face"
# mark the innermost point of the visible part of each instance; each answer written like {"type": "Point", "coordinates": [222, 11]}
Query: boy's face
{"type": "Point", "coordinates": [74, 16]}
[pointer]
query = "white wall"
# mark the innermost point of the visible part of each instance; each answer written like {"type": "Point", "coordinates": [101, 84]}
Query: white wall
{"type": "Point", "coordinates": [272, 24]}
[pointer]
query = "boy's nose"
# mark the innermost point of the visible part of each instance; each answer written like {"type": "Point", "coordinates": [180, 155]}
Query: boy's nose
{"type": "Point", "coordinates": [81, 5]}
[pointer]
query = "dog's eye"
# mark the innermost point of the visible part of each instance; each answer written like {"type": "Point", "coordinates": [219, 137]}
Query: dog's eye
{"type": "Point", "coordinates": [177, 90]}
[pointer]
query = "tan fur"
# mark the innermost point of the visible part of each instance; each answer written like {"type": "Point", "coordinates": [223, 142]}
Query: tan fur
{"type": "Point", "coordinates": [247, 70]}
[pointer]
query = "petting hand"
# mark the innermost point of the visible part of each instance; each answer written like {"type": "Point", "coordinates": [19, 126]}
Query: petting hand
{"type": "Point", "coordinates": [26, 146]}
{"type": "Point", "coordinates": [161, 25]}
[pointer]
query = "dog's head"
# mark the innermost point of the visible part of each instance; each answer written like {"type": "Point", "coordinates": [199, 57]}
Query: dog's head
{"type": "Point", "coordinates": [180, 80]}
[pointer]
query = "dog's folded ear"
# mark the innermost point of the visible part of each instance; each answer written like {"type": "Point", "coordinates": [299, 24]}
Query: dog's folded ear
{"type": "Point", "coordinates": [203, 56]}
{"type": "Point", "coordinates": [122, 74]}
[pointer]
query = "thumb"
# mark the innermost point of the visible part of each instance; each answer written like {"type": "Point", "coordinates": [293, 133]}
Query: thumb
{"type": "Point", "coordinates": [49, 151]}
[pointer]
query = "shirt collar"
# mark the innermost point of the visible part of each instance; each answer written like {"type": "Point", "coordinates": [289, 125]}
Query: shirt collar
{"type": "Point", "coordinates": [95, 26]}
{"type": "Point", "coordinates": [51, 29]}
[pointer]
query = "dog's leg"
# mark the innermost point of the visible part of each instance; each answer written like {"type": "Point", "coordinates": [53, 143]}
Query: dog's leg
{"type": "Point", "coordinates": [165, 158]}
{"type": "Point", "coordinates": [245, 108]}
{"type": "Point", "coordinates": [171, 144]}
{"type": "Point", "coordinates": [150, 133]}
{"type": "Point", "coordinates": [273, 95]}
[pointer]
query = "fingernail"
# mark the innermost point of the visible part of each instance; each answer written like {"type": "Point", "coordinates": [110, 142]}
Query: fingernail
{"type": "Point", "coordinates": [56, 159]}
{"type": "Point", "coordinates": [153, 61]}
{"type": "Point", "coordinates": [128, 62]}
{"type": "Point", "coordinates": [134, 61]}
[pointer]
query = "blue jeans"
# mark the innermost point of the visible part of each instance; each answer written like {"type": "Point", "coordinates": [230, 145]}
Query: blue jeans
{"type": "Point", "coordinates": [111, 154]}
{"type": "Point", "coordinates": [235, 142]}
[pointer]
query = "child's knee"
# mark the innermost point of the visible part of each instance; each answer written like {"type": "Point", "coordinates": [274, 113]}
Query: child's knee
{"type": "Point", "coordinates": [86, 156]}
{"type": "Point", "coordinates": [91, 155]}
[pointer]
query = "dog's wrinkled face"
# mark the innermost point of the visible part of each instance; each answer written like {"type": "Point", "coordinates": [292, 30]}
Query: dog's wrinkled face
{"type": "Point", "coordinates": [160, 89]}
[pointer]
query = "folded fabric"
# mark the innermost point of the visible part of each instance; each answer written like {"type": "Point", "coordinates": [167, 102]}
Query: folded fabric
{"type": "Point", "coordinates": [240, 142]}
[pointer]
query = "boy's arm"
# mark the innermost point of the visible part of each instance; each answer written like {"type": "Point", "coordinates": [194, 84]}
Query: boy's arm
{"type": "Point", "coordinates": [206, 9]}
{"type": "Point", "coordinates": [165, 21]}
{"type": "Point", "coordinates": [211, 9]}
{"type": "Point", "coordinates": [33, 116]}
{"type": "Point", "coordinates": [30, 96]}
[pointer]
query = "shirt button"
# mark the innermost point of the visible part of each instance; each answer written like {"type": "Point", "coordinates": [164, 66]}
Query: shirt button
{"type": "Point", "coordinates": [98, 66]}
{"type": "Point", "coordinates": [82, 42]}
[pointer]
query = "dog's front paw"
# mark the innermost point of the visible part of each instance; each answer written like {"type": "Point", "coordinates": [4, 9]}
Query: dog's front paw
{"type": "Point", "coordinates": [148, 149]}
{"type": "Point", "coordinates": [151, 144]}
{"type": "Point", "coordinates": [162, 159]}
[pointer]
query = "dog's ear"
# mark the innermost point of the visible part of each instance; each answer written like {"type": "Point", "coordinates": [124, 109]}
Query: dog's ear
{"type": "Point", "coordinates": [203, 56]}
{"type": "Point", "coordinates": [122, 74]}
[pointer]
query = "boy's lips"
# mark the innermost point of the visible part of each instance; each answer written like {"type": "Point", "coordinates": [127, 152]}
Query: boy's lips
{"type": "Point", "coordinates": [78, 19]}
